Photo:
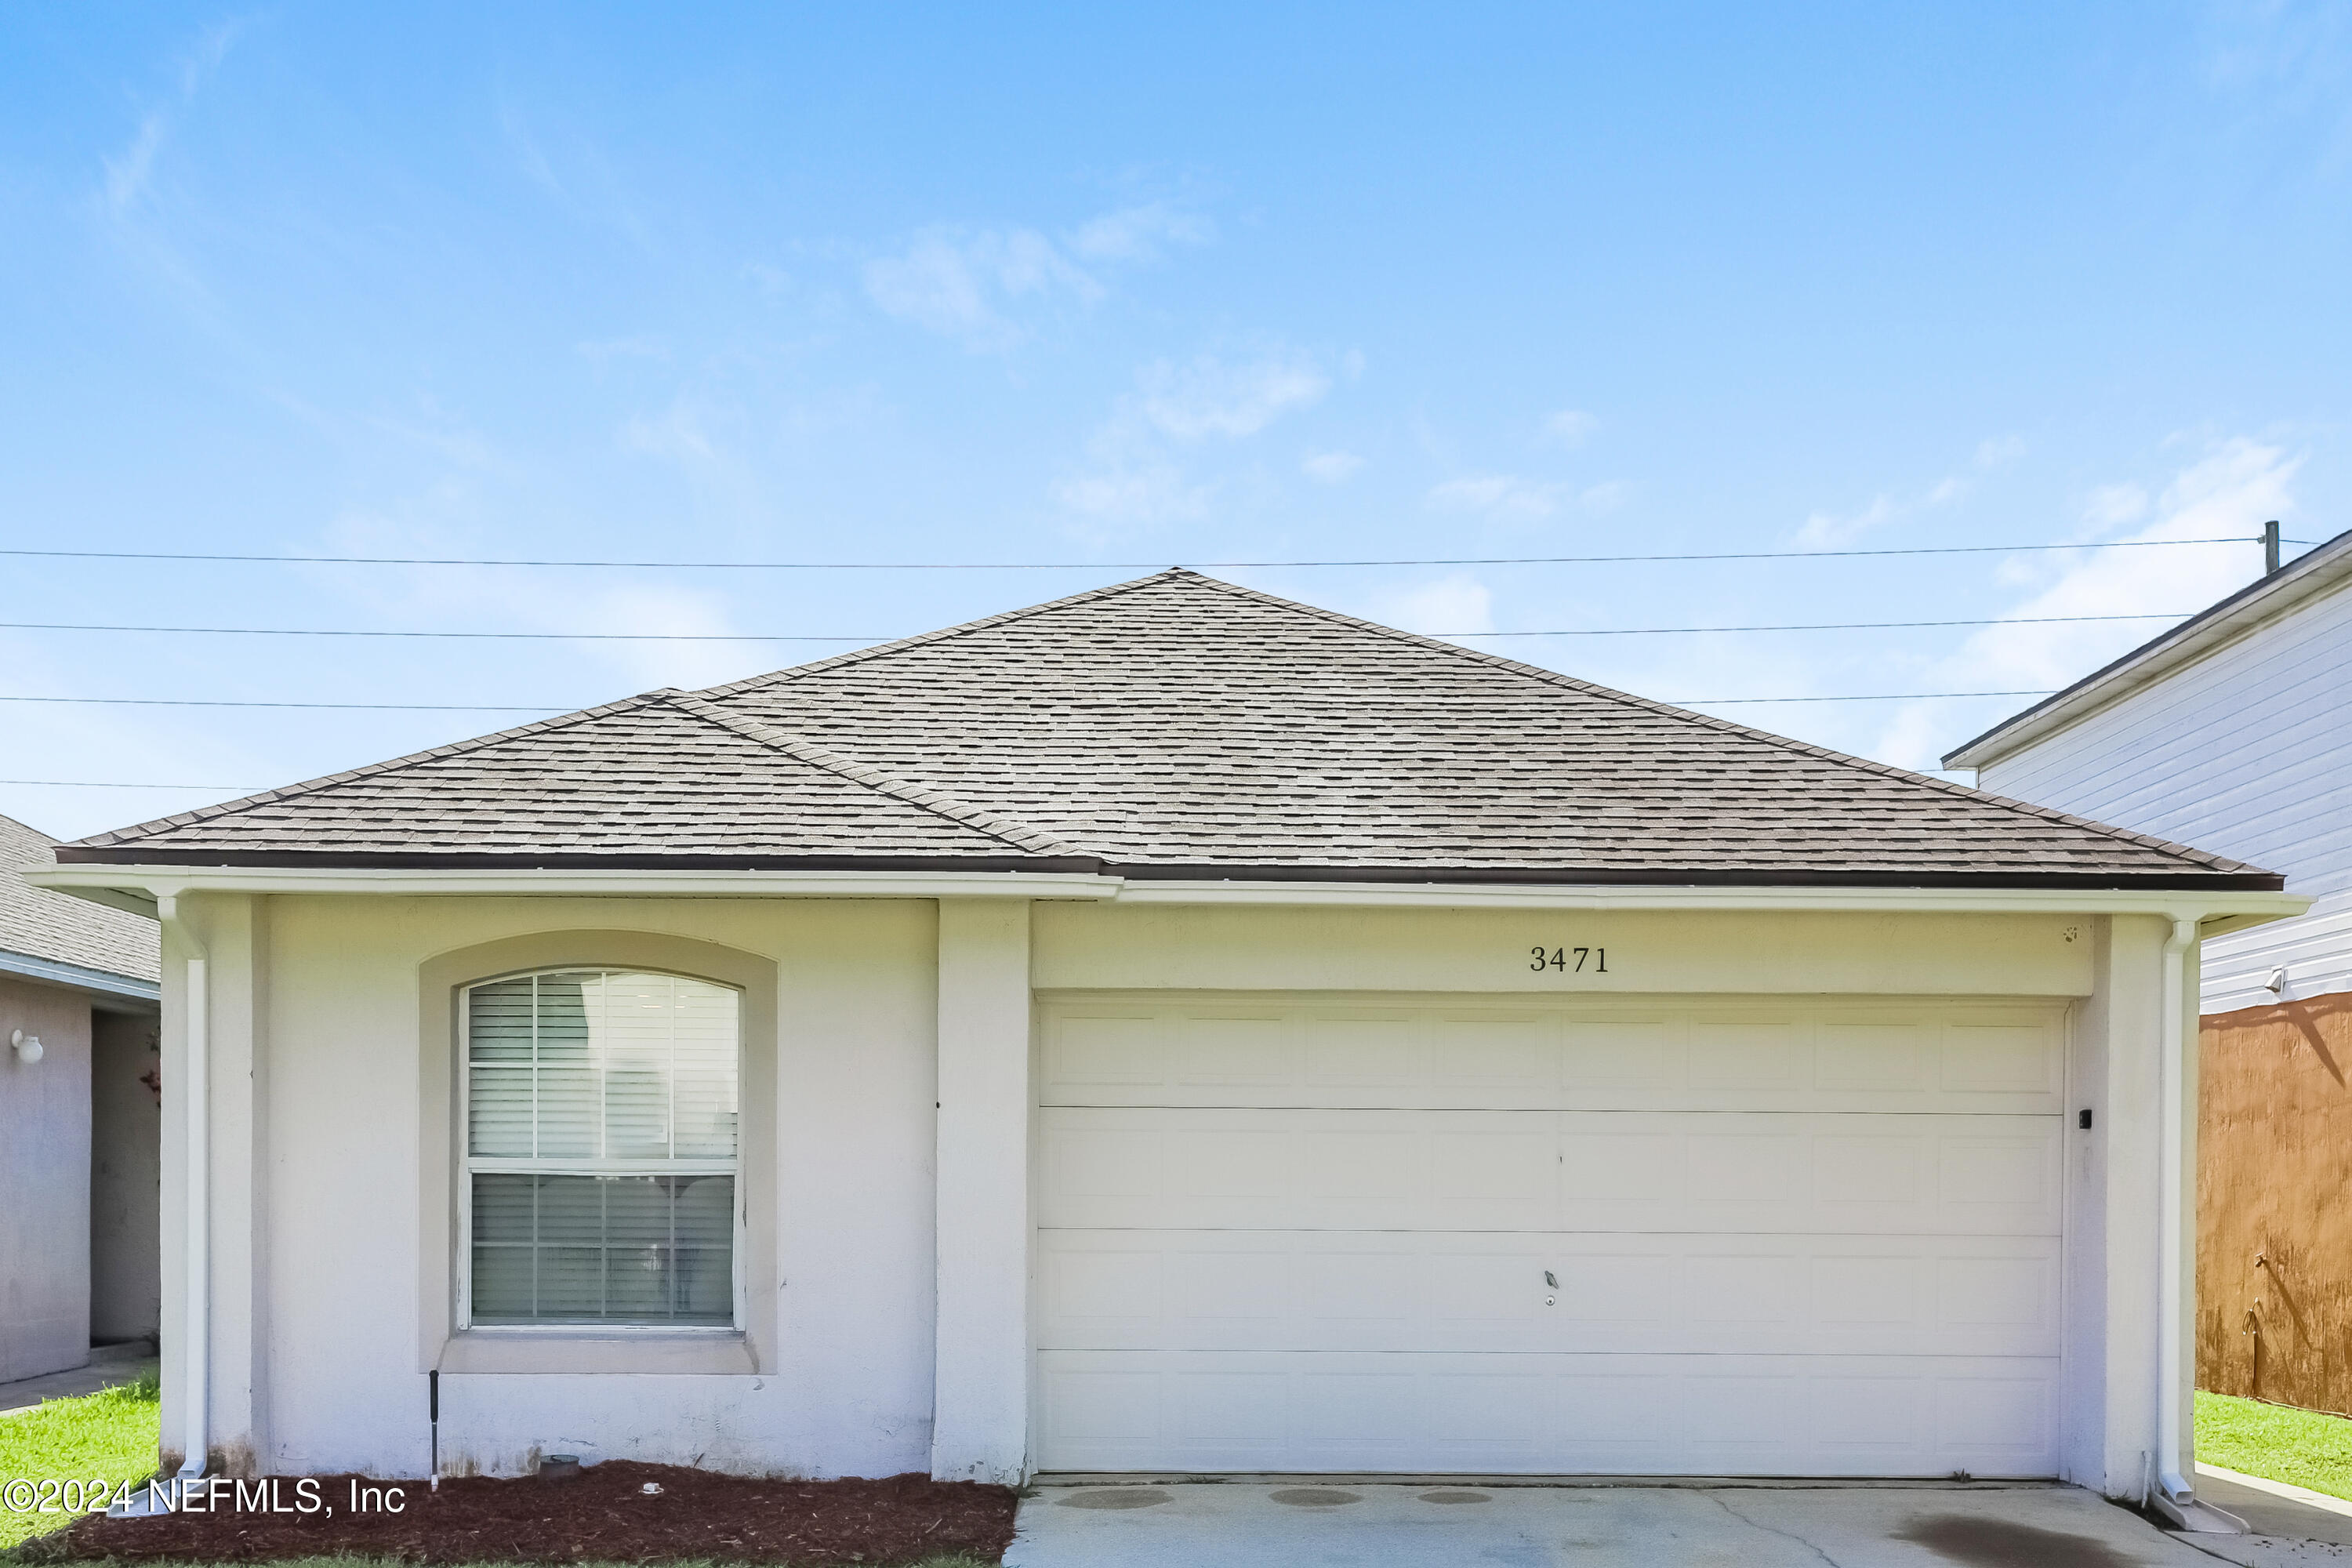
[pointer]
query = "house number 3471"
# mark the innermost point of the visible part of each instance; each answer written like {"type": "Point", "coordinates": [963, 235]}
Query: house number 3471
{"type": "Point", "coordinates": [1570, 960]}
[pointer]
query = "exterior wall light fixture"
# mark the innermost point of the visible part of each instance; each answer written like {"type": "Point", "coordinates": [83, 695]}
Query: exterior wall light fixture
{"type": "Point", "coordinates": [28, 1047]}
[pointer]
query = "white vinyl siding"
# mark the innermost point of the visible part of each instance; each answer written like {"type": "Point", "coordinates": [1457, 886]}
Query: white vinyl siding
{"type": "Point", "coordinates": [1701, 1236]}
{"type": "Point", "coordinates": [2247, 754]}
{"type": "Point", "coordinates": [600, 1164]}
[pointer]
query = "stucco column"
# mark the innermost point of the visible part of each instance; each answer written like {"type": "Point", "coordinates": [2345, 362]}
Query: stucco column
{"type": "Point", "coordinates": [2115, 1230]}
{"type": "Point", "coordinates": [233, 948]}
{"type": "Point", "coordinates": [980, 1419]}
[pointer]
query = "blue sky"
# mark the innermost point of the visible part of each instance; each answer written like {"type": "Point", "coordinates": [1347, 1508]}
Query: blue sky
{"type": "Point", "coordinates": [1089, 285]}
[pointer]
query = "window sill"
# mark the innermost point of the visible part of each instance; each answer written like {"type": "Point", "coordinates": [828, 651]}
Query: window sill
{"type": "Point", "coordinates": [657, 1351]}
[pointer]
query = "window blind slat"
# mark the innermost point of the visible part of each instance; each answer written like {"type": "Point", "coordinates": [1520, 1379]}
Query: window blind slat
{"type": "Point", "coordinates": [577, 1072]}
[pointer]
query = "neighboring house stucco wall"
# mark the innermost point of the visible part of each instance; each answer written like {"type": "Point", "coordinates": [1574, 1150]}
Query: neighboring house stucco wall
{"type": "Point", "coordinates": [126, 1286]}
{"type": "Point", "coordinates": [318, 1362]}
{"type": "Point", "coordinates": [43, 1183]}
{"type": "Point", "coordinates": [2245, 753]}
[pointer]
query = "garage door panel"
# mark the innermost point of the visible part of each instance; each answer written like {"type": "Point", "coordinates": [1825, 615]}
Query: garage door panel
{"type": "Point", "coordinates": [1307, 1290]}
{"type": "Point", "coordinates": [1548, 1170]}
{"type": "Point", "coordinates": [1666, 1054]}
{"type": "Point", "coordinates": [1822, 1416]}
{"type": "Point", "coordinates": [1614, 1234]}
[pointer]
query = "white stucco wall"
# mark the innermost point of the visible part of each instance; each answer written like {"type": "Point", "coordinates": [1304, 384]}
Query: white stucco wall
{"type": "Point", "coordinates": [317, 1024]}
{"type": "Point", "coordinates": [342, 1386]}
{"type": "Point", "coordinates": [43, 1183]}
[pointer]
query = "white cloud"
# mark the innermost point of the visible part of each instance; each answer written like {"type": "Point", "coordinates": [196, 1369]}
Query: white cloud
{"type": "Point", "coordinates": [1607, 496]}
{"type": "Point", "coordinates": [1825, 531]}
{"type": "Point", "coordinates": [2227, 495]}
{"type": "Point", "coordinates": [1831, 530]}
{"type": "Point", "coordinates": [473, 598]}
{"type": "Point", "coordinates": [1211, 396]}
{"type": "Point", "coordinates": [1506, 498]}
{"type": "Point", "coordinates": [2112, 506]}
{"type": "Point", "coordinates": [972, 285]}
{"type": "Point", "coordinates": [1511, 498]}
{"type": "Point", "coordinates": [960, 283]}
{"type": "Point", "coordinates": [129, 173]}
{"type": "Point", "coordinates": [1131, 476]}
{"type": "Point", "coordinates": [1450, 606]}
{"type": "Point", "coordinates": [677, 435]}
{"type": "Point", "coordinates": [1995, 450]}
{"type": "Point", "coordinates": [1570, 426]}
{"type": "Point", "coordinates": [652, 609]}
{"type": "Point", "coordinates": [1330, 468]}
{"type": "Point", "coordinates": [641, 345]}
{"type": "Point", "coordinates": [1130, 489]}
{"type": "Point", "coordinates": [1137, 233]}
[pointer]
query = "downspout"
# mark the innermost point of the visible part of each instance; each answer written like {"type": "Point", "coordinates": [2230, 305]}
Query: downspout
{"type": "Point", "coordinates": [2171, 1211]}
{"type": "Point", "coordinates": [197, 1296]}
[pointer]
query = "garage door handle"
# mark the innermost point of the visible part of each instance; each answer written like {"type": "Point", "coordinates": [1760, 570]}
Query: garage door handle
{"type": "Point", "coordinates": [1551, 1279]}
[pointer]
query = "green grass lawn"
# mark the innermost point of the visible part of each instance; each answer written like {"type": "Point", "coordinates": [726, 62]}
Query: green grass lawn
{"type": "Point", "coordinates": [112, 1433]}
{"type": "Point", "coordinates": [2276, 1442]}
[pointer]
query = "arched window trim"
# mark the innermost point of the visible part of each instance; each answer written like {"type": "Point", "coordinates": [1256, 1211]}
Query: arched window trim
{"type": "Point", "coordinates": [470, 1165]}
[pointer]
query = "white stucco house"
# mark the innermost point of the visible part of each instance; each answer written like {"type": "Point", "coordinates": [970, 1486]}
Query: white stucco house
{"type": "Point", "coordinates": [79, 1120]}
{"type": "Point", "coordinates": [1174, 1028]}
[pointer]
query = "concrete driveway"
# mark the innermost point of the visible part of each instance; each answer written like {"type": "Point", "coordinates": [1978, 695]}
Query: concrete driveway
{"type": "Point", "coordinates": [1253, 1524]}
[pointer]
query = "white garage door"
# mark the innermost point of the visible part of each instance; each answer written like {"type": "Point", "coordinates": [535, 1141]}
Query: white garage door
{"type": "Point", "coordinates": [1687, 1237]}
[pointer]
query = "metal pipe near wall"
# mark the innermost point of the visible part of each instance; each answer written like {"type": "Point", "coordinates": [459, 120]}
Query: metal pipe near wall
{"type": "Point", "coordinates": [195, 1344]}
{"type": "Point", "coordinates": [2172, 1212]}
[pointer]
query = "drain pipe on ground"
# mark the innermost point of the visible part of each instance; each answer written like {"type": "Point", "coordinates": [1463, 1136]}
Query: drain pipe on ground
{"type": "Point", "coordinates": [2173, 1488]}
{"type": "Point", "coordinates": [195, 1345]}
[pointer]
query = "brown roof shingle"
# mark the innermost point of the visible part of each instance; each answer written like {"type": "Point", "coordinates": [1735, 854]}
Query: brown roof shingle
{"type": "Point", "coordinates": [1178, 725]}
{"type": "Point", "coordinates": [37, 923]}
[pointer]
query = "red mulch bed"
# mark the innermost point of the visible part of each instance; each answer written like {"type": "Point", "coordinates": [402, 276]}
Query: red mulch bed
{"type": "Point", "coordinates": [603, 1514]}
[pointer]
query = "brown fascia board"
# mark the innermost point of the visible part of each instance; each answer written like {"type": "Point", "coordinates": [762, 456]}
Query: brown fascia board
{"type": "Point", "coordinates": [1210, 871]}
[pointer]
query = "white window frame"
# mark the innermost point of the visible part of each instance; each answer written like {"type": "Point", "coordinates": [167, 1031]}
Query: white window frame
{"type": "Point", "coordinates": [468, 1164]}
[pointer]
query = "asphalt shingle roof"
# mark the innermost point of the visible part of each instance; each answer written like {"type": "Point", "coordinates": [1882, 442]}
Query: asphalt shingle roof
{"type": "Point", "coordinates": [39, 923]}
{"type": "Point", "coordinates": [1176, 725]}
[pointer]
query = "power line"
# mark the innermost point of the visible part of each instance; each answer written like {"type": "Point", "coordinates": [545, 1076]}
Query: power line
{"type": "Point", "coordinates": [257, 789]}
{"type": "Point", "coordinates": [519, 708]}
{"type": "Point", "coordinates": [1107, 565]}
{"type": "Point", "coordinates": [104, 784]}
{"type": "Point", "coordinates": [1871, 697]}
{"type": "Point", "coordinates": [800, 636]}
{"type": "Point", "coordinates": [353, 706]}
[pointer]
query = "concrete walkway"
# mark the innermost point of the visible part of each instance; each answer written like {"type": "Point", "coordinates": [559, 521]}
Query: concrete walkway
{"type": "Point", "coordinates": [109, 1364]}
{"type": "Point", "coordinates": [2292, 1527]}
{"type": "Point", "coordinates": [1255, 1524]}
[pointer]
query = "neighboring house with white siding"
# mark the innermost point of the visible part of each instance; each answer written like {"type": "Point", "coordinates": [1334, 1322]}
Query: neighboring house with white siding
{"type": "Point", "coordinates": [2231, 731]}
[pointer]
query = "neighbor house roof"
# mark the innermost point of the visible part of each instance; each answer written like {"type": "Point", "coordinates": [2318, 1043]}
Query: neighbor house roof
{"type": "Point", "coordinates": [2323, 570]}
{"type": "Point", "coordinates": [1173, 726]}
{"type": "Point", "coordinates": [57, 937]}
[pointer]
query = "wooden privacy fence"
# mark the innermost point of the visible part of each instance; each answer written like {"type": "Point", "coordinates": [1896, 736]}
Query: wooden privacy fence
{"type": "Point", "coordinates": [2275, 1202]}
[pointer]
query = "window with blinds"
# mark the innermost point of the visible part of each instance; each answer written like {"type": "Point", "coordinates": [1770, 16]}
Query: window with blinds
{"type": "Point", "coordinates": [601, 1149]}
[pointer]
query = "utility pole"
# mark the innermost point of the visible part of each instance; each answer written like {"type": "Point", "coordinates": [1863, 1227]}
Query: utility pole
{"type": "Point", "coordinates": [2270, 548]}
